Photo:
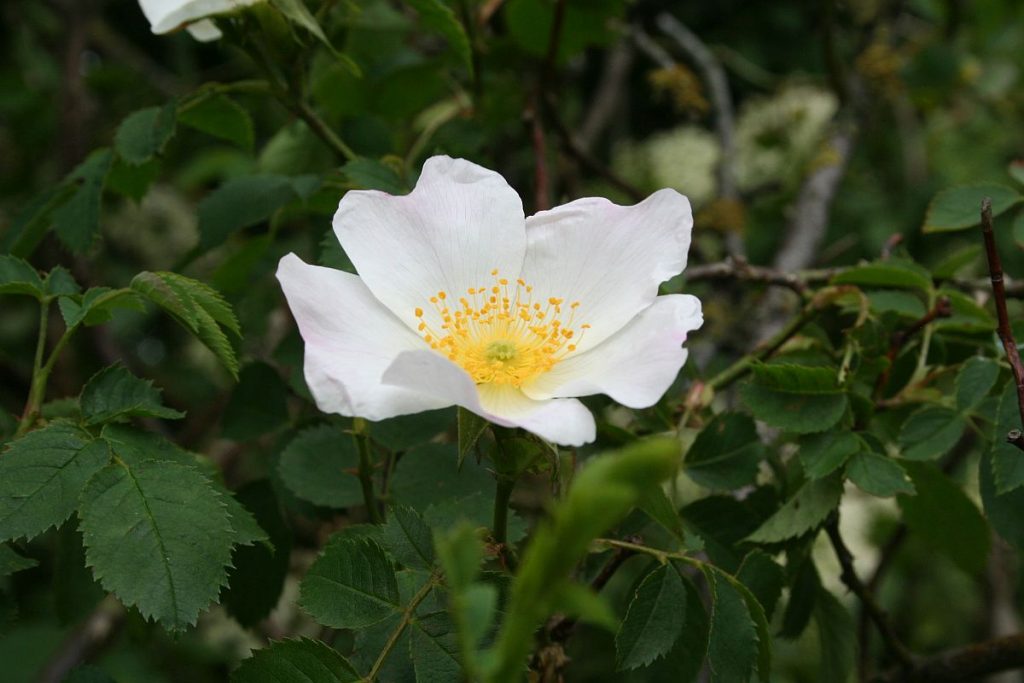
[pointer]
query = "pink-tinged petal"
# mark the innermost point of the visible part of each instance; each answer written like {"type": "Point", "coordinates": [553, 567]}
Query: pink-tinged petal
{"type": "Point", "coordinates": [635, 366]}
{"type": "Point", "coordinates": [168, 15]}
{"type": "Point", "coordinates": [562, 421]}
{"type": "Point", "coordinates": [608, 257]}
{"type": "Point", "coordinates": [351, 339]}
{"type": "Point", "coordinates": [460, 223]}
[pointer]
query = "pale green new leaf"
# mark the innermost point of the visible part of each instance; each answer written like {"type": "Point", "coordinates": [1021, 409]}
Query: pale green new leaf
{"type": "Point", "coordinates": [114, 393]}
{"type": "Point", "coordinates": [41, 475]}
{"type": "Point", "coordinates": [351, 585]}
{"type": "Point", "coordinates": [654, 619]}
{"type": "Point", "coordinates": [296, 661]}
{"type": "Point", "coordinates": [157, 535]}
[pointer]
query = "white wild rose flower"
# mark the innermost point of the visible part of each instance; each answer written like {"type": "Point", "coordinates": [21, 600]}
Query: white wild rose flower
{"type": "Point", "coordinates": [170, 15]}
{"type": "Point", "coordinates": [462, 300]}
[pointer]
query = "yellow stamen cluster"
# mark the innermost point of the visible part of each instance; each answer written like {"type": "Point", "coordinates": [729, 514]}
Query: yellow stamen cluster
{"type": "Point", "coordinates": [499, 333]}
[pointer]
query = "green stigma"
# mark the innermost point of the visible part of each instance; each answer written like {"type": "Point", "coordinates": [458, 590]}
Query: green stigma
{"type": "Point", "coordinates": [501, 350]}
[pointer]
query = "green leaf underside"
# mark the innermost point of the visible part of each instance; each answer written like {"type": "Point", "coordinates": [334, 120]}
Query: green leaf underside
{"type": "Point", "coordinates": [295, 661]}
{"type": "Point", "coordinates": [959, 207]}
{"type": "Point", "coordinates": [319, 466]}
{"type": "Point", "coordinates": [41, 476]}
{"type": "Point", "coordinates": [115, 393]}
{"type": "Point", "coordinates": [157, 535]}
{"type": "Point", "coordinates": [795, 398]}
{"type": "Point", "coordinates": [726, 454]}
{"type": "Point", "coordinates": [878, 475]}
{"type": "Point", "coordinates": [808, 508]}
{"type": "Point", "coordinates": [654, 619]}
{"type": "Point", "coordinates": [351, 585]}
{"type": "Point", "coordinates": [930, 432]}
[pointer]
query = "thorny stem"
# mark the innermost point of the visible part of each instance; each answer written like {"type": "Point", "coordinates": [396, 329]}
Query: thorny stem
{"type": "Point", "coordinates": [995, 270]}
{"type": "Point", "coordinates": [366, 470]}
{"type": "Point", "coordinates": [407, 617]}
{"type": "Point", "coordinates": [942, 309]}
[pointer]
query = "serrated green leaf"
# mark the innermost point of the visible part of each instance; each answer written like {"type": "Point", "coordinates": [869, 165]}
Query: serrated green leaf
{"type": "Point", "coordinates": [654, 619]}
{"type": "Point", "coordinates": [96, 305]}
{"type": "Point", "coordinates": [439, 17]}
{"type": "Point", "coordinates": [145, 133]}
{"type": "Point", "coordinates": [197, 306]}
{"type": "Point", "coordinates": [685, 660]}
{"type": "Point", "coordinates": [114, 393]}
{"type": "Point", "coordinates": [795, 398]}
{"type": "Point", "coordinates": [135, 446]}
{"type": "Point", "coordinates": [296, 661]}
{"type": "Point", "coordinates": [77, 220]}
{"type": "Point", "coordinates": [959, 207]}
{"type": "Point", "coordinates": [1005, 512]}
{"type": "Point", "coordinates": [976, 378]}
{"type": "Point", "coordinates": [244, 527]}
{"type": "Point", "coordinates": [408, 538]}
{"type": "Point", "coordinates": [220, 117]}
{"type": "Point", "coordinates": [351, 585]}
{"type": "Point", "coordinates": [808, 508]}
{"type": "Point", "coordinates": [726, 454]}
{"type": "Point", "coordinates": [257, 405]}
{"type": "Point", "coordinates": [18, 277]}
{"type": "Point", "coordinates": [41, 475]}
{"type": "Point", "coordinates": [157, 535]}
{"type": "Point", "coordinates": [822, 453]}
{"type": "Point", "coordinates": [930, 432]}
{"type": "Point", "coordinates": [371, 174]}
{"type": "Point", "coordinates": [60, 281]}
{"type": "Point", "coordinates": [11, 562]}
{"type": "Point", "coordinates": [133, 182]}
{"type": "Point", "coordinates": [320, 466]}
{"type": "Point", "coordinates": [1007, 460]}
{"type": "Point", "coordinates": [732, 641]}
{"type": "Point", "coordinates": [240, 203]}
{"type": "Point", "coordinates": [471, 428]}
{"type": "Point", "coordinates": [891, 273]}
{"type": "Point", "coordinates": [878, 475]}
{"type": "Point", "coordinates": [944, 517]}
{"type": "Point", "coordinates": [434, 648]}
{"type": "Point", "coordinates": [297, 13]}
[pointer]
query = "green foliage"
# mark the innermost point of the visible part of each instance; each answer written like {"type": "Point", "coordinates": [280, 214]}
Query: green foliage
{"type": "Point", "coordinates": [295, 661]}
{"type": "Point", "coordinates": [439, 17]}
{"type": "Point", "coordinates": [76, 221]}
{"type": "Point", "coordinates": [18, 277]}
{"type": "Point", "coordinates": [958, 207]}
{"type": "Point", "coordinates": [145, 133]}
{"type": "Point", "coordinates": [726, 454]}
{"type": "Point", "coordinates": [891, 273]}
{"type": "Point", "coordinates": [319, 466]}
{"type": "Point", "coordinates": [11, 561]}
{"type": "Point", "coordinates": [157, 535]}
{"type": "Point", "coordinates": [351, 585]}
{"type": "Point", "coordinates": [257, 404]}
{"type": "Point", "coordinates": [244, 202]}
{"type": "Point", "coordinates": [220, 117]}
{"type": "Point", "coordinates": [655, 618]}
{"type": "Point", "coordinates": [795, 398]}
{"type": "Point", "coordinates": [808, 508]}
{"type": "Point", "coordinates": [878, 475]}
{"type": "Point", "coordinates": [115, 394]}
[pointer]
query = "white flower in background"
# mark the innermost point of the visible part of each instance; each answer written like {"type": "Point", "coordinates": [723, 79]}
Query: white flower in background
{"type": "Point", "coordinates": [777, 137]}
{"type": "Point", "coordinates": [169, 15]}
{"type": "Point", "coordinates": [461, 300]}
{"type": "Point", "coordinates": [684, 158]}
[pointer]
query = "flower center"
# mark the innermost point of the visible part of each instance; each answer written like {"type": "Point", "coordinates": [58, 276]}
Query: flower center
{"type": "Point", "coordinates": [499, 334]}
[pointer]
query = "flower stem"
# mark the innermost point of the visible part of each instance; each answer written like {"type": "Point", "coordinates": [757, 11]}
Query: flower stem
{"type": "Point", "coordinates": [37, 390]}
{"type": "Point", "coordinates": [366, 470]}
{"type": "Point", "coordinates": [502, 495]}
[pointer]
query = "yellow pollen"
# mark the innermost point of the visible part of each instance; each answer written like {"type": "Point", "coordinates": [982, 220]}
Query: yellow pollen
{"type": "Point", "coordinates": [500, 334]}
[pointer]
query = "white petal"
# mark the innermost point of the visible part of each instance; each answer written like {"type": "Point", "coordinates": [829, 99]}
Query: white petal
{"type": "Point", "coordinates": [350, 340]}
{"type": "Point", "coordinates": [167, 15]}
{"type": "Point", "coordinates": [562, 421]}
{"type": "Point", "coordinates": [461, 222]}
{"type": "Point", "coordinates": [205, 31]}
{"type": "Point", "coordinates": [637, 365]}
{"type": "Point", "coordinates": [608, 257]}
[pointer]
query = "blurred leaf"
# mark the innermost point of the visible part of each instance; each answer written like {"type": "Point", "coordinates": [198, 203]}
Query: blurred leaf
{"type": "Point", "coordinates": [1018, 229]}
{"type": "Point", "coordinates": [158, 536]}
{"type": "Point", "coordinates": [656, 505]}
{"type": "Point", "coordinates": [471, 428]}
{"type": "Point", "coordinates": [408, 538]}
{"type": "Point", "coordinates": [11, 562]}
{"type": "Point", "coordinates": [654, 620]}
{"type": "Point", "coordinates": [30, 224]}
{"type": "Point", "coordinates": [439, 17]}
{"type": "Point", "coordinates": [240, 203]}
{"type": "Point", "coordinates": [406, 431]}
{"type": "Point", "coordinates": [878, 475]}
{"type": "Point", "coordinates": [351, 585]}
{"type": "Point", "coordinates": [1004, 511]}
{"type": "Point", "coordinates": [59, 281]}
{"type": "Point", "coordinates": [795, 398]}
{"type": "Point", "coordinates": [460, 552]}
{"type": "Point", "coordinates": [891, 273]}
{"type": "Point", "coordinates": [967, 316]}
{"type": "Point", "coordinates": [429, 474]}
{"type": "Point", "coordinates": [1007, 460]}
{"type": "Point", "coordinates": [959, 207]}
{"type": "Point", "coordinates": [822, 453]}
{"type": "Point", "coordinates": [726, 454]}
{"type": "Point", "coordinates": [18, 277]}
{"type": "Point", "coordinates": [804, 587]}
{"type": "Point", "coordinates": [586, 23]}
{"type": "Point", "coordinates": [130, 181]}
{"type": "Point", "coordinates": [220, 117]}
{"type": "Point", "coordinates": [808, 508]}
{"type": "Point", "coordinates": [295, 661]}
{"type": "Point", "coordinates": [764, 578]}
{"type": "Point", "coordinates": [1016, 170]}
{"type": "Point", "coordinates": [894, 301]}
{"type": "Point", "coordinates": [976, 378]}
{"type": "Point", "coordinates": [145, 133]}
{"type": "Point", "coordinates": [944, 517]}
{"type": "Point", "coordinates": [114, 393]}
{"type": "Point", "coordinates": [41, 475]}
{"type": "Point", "coordinates": [257, 405]}
{"type": "Point", "coordinates": [837, 635]}
{"type": "Point", "coordinates": [297, 13]}
{"type": "Point", "coordinates": [77, 221]}
{"type": "Point", "coordinates": [930, 432]}
{"type": "Point", "coordinates": [320, 466]}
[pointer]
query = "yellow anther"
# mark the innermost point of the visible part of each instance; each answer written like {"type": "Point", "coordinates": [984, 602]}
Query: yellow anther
{"type": "Point", "coordinates": [442, 295]}
{"type": "Point", "coordinates": [419, 312]}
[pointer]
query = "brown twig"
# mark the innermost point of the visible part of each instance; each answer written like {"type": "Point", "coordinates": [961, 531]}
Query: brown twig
{"type": "Point", "coordinates": [875, 612]}
{"type": "Point", "coordinates": [740, 269]}
{"type": "Point", "coordinates": [943, 309]}
{"type": "Point", "coordinates": [969, 663]}
{"type": "Point", "coordinates": [995, 271]}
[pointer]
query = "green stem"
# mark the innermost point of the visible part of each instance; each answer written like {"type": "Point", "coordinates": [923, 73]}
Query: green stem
{"type": "Point", "coordinates": [407, 617]}
{"type": "Point", "coordinates": [37, 390]}
{"type": "Point", "coordinates": [366, 471]}
{"type": "Point", "coordinates": [502, 495]}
